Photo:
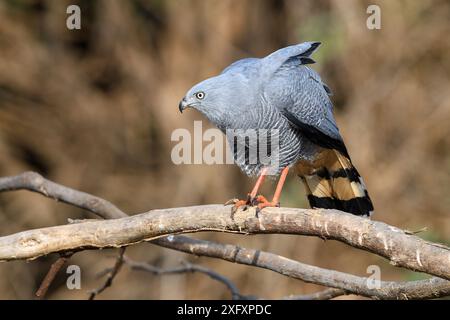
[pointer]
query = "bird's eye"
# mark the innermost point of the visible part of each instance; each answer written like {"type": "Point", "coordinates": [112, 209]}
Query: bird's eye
{"type": "Point", "coordinates": [200, 95]}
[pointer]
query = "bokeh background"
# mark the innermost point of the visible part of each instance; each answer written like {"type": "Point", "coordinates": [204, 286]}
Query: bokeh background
{"type": "Point", "coordinates": [94, 109]}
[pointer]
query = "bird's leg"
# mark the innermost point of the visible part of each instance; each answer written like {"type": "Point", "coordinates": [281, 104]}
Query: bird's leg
{"type": "Point", "coordinates": [252, 196]}
{"type": "Point", "coordinates": [263, 202]}
{"type": "Point", "coordinates": [259, 182]}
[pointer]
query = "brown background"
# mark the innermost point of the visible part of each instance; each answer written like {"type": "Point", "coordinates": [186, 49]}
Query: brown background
{"type": "Point", "coordinates": [94, 109]}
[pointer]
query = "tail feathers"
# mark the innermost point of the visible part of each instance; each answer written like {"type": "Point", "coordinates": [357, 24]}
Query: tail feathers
{"type": "Point", "coordinates": [334, 183]}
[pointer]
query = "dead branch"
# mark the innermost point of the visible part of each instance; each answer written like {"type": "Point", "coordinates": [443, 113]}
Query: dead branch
{"type": "Point", "coordinates": [34, 182]}
{"type": "Point", "coordinates": [51, 275]}
{"type": "Point", "coordinates": [326, 294]}
{"type": "Point", "coordinates": [111, 275]}
{"type": "Point", "coordinates": [400, 248]}
{"type": "Point", "coordinates": [376, 237]}
{"type": "Point", "coordinates": [423, 289]}
{"type": "Point", "coordinates": [186, 267]}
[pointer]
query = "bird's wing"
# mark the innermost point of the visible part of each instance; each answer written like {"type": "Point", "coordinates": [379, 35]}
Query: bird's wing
{"type": "Point", "coordinates": [300, 95]}
{"type": "Point", "coordinates": [299, 53]}
{"type": "Point", "coordinates": [311, 111]}
{"type": "Point", "coordinates": [241, 66]}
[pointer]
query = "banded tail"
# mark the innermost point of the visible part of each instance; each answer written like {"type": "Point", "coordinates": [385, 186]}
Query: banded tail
{"type": "Point", "coordinates": [332, 182]}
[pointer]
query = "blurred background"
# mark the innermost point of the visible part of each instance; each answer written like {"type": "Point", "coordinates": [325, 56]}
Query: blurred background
{"type": "Point", "coordinates": [94, 109]}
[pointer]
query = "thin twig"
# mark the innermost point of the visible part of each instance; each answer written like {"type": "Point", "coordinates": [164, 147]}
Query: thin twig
{"type": "Point", "coordinates": [111, 275]}
{"type": "Point", "coordinates": [186, 267]}
{"type": "Point", "coordinates": [51, 275]}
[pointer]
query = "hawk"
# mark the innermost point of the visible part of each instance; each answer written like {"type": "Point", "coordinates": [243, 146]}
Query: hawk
{"type": "Point", "coordinates": [281, 93]}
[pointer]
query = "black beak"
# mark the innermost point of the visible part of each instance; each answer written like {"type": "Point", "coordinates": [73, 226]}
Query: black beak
{"type": "Point", "coordinates": [182, 105]}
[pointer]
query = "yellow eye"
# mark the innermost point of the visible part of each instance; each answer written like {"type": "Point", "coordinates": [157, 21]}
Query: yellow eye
{"type": "Point", "coordinates": [200, 95]}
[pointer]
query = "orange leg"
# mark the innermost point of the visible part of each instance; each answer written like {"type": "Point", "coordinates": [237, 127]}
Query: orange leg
{"type": "Point", "coordinates": [276, 196]}
{"type": "Point", "coordinates": [258, 183]}
{"type": "Point", "coordinates": [260, 201]}
{"type": "Point", "coordinates": [252, 196]}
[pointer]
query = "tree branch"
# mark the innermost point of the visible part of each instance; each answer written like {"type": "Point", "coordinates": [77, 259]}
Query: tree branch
{"type": "Point", "coordinates": [423, 289]}
{"type": "Point", "coordinates": [51, 275]}
{"type": "Point", "coordinates": [34, 182]}
{"type": "Point", "coordinates": [235, 294]}
{"type": "Point", "coordinates": [186, 268]}
{"type": "Point", "coordinates": [402, 248]}
{"type": "Point", "coordinates": [111, 275]}
{"type": "Point", "coordinates": [326, 294]}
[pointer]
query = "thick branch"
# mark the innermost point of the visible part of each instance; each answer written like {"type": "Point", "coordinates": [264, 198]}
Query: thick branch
{"type": "Point", "coordinates": [399, 247]}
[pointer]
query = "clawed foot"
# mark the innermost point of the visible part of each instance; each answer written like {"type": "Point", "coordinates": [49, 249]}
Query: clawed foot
{"type": "Point", "coordinates": [262, 203]}
{"type": "Point", "coordinates": [244, 204]}
{"type": "Point", "coordinates": [259, 201]}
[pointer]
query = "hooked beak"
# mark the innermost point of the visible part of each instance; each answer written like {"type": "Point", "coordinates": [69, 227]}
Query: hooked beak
{"type": "Point", "coordinates": [183, 105]}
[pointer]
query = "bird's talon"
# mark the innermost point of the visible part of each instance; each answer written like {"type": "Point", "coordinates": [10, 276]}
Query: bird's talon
{"type": "Point", "coordinates": [231, 201]}
{"type": "Point", "coordinates": [266, 204]}
{"type": "Point", "coordinates": [238, 204]}
{"type": "Point", "coordinates": [259, 202]}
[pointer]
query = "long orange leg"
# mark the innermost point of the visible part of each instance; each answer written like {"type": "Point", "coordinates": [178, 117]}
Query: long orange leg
{"type": "Point", "coordinates": [276, 196]}
{"type": "Point", "coordinates": [252, 195]}
{"type": "Point", "coordinates": [258, 183]}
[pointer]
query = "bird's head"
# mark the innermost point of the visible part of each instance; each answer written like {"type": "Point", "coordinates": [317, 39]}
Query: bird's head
{"type": "Point", "coordinates": [218, 98]}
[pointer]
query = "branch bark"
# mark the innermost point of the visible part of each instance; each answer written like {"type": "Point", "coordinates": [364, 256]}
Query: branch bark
{"type": "Point", "coordinates": [34, 182]}
{"type": "Point", "coordinates": [50, 276]}
{"type": "Point", "coordinates": [326, 294]}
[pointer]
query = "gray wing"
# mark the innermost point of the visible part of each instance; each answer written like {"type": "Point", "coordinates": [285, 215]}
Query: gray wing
{"type": "Point", "coordinates": [241, 66]}
{"type": "Point", "coordinates": [301, 52]}
{"type": "Point", "coordinates": [300, 95]}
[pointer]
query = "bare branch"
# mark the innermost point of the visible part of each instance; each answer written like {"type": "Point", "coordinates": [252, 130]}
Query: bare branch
{"type": "Point", "coordinates": [423, 289]}
{"type": "Point", "coordinates": [400, 248]}
{"type": "Point", "coordinates": [33, 181]}
{"type": "Point", "coordinates": [326, 294]}
{"type": "Point", "coordinates": [186, 268]}
{"type": "Point", "coordinates": [111, 275]}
